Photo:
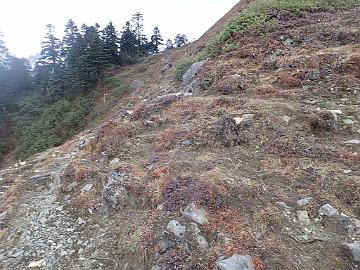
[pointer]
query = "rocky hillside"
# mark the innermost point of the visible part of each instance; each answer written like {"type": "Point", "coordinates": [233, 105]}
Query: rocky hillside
{"type": "Point", "coordinates": [252, 162]}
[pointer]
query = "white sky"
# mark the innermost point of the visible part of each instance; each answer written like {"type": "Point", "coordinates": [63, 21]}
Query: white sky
{"type": "Point", "coordinates": [23, 22]}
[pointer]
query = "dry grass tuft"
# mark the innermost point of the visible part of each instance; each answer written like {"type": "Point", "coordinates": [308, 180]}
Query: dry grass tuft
{"type": "Point", "coordinates": [287, 80]}
{"type": "Point", "coordinates": [112, 137]}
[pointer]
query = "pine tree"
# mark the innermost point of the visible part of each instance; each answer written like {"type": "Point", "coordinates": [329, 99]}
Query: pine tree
{"type": "Point", "coordinates": [169, 45]}
{"type": "Point", "coordinates": [4, 53]}
{"type": "Point", "coordinates": [93, 61]}
{"type": "Point", "coordinates": [156, 40]}
{"type": "Point", "coordinates": [70, 39]}
{"type": "Point", "coordinates": [180, 40]}
{"type": "Point", "coordinates": [141, 39]}
{"type": "Point", "coordinates": [50, 49]}
{"type": "Point", "coordinates": [111, 44]}
{"type": "Point", "coordinates": [128, 41]}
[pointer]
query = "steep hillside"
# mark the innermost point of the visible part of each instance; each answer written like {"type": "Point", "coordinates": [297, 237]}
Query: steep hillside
{"type": "Point", "coordinates": [252, 162]}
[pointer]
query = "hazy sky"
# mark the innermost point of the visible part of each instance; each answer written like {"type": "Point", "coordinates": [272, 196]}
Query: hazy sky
{"type": "Point", "coordinates": [23, 22]}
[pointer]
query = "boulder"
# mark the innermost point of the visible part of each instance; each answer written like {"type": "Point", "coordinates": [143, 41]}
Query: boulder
{"type": "Point", "coordinates": [236, 262]}
{"type": "Point", "coordinates": [115, 194]}
{"type": "Point", "coordinates": [195, 214]}
{"type": "Point", "coordinates": [328, 210]}
{"type": "Point", "coordinates": [353, 251]}
{"type": "Point", "coordinates": [176, 228]}
{"type": "Point", "coordinates": [191, 73]}
{"type": "Point", "coordinates": [303, 202]}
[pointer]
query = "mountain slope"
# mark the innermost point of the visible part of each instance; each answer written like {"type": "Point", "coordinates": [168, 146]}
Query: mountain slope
{"type": "Point", "coordinates": [262, 160]}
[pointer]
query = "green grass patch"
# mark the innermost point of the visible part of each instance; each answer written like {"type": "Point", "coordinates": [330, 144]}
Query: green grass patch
{"type": "Point", "coordinates": [181, 67]}
{"type": "Point", "coordinates": [256, 17]}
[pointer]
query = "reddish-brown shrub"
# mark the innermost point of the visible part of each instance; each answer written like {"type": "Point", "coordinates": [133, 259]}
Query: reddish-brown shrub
{"type": "Point", "coordinates": [287, 80]}
{"type": "Point", "coordinates": [180, 191]}
{"type": "Point", "coordinates": [112, 136]}
{"type": "Point", "coordinates": [228, 85]}
{"type": "Point", "coordinates": [271, 91]}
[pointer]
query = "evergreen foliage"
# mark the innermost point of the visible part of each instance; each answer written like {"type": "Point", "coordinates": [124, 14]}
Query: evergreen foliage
{"type": "Point", "coordinates": [41, 107]}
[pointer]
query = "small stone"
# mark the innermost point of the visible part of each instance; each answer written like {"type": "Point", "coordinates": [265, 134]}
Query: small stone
{"type": "Point", "coordinates": [349, 122]}
{"type": "Point", "coordinates": [347, 171]}
{"type": "Point", "coordinates": [304, 202]}
{"type": "Point", "coordinates": [176, 228]}
{"type": "Point", "coordinates": [195, 214]}
{"type": "Point", "coordinates": [87, 187]}
{"type": "Point", "coordinates": [186, 143]}
{"type": "Point", "coordinates": [203, 243]}
{"type": "Point", "coordinates": [236, 262]}
{"type": "Point", "coordinates": [39, 264]}
{"type": "Point", "coordinates": [156, 268]}
{"type": "Point", "coordinates": [115, 161]}
{"type": "Point", "coordinates": [351, 142]}
{"type": "Point", "coordinates": [353, 250]}
{"type": "Point", "coordinates": [303, 217]}
{"type": "Point", "coordinates": [286, 119]}
{"type": "Point", "coordinates": [328, 210]}
{"type": "Point", "coordinates": [80, 221]}
{"type": "Point", "coordinates": [244, 119]}
{"type": "Point", "coordinates": [43, 220]}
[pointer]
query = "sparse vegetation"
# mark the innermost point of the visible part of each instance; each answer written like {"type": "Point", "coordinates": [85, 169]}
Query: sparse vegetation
{"type": "Point", "coordinates": [181, 67]}
{"type": "Point", "coordinates": [261, 15]}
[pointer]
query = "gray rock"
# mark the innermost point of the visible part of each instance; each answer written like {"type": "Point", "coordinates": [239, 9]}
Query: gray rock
{"type": "Point", "coordinates": [328, 210]}
{"type": "Point", "coordinates": [156, 268]}
{"type": "Point", "coordinates": [165, 245]}
{"type": "Point", "coordinates": [115, 161]}
{"type": "Point", "coordinates": [176, 228]}
{"type": "Point", "coordinates": [244, 119]}
{"type": "Point", "coordinates": [115, 193]}
{"type": "Point", "coordinates": [191, 73]}
{"type": "Point", "coordinates": [304, 202]}
{"type": "Point", "coordinates": [353, 250]}
{"type": "Point", "coordinates": [37, 264]}
{"type": "Point", "coordinates": [80, 221]}
{"type": "Point", "coordinates": [195, 214]}
{"type": "Point", "coordinates": [356, 225]}
{"type": "Point", "coordinates": [41, 176]}
{"type": "Point", "coordinates": [203, 243]}
{"type": "Point", "coordinates": [87, 187]}
{"type": "Point", "coordinates": [303, 217]}
{"type": "Point", "coordinates": [284, 207]}
{"type": "Point", "coordinates": [352, 142]}
{"type": "Point", "coordinates": [193, 88]}
{"type": "Point", "coordinates": [286, 119]}
{"type": "Point", "coordinates": [236, 262]}
{"type": "Point", "coordinates": [349, 122]}
{"type": "Point", "coordinates": [186, 143]}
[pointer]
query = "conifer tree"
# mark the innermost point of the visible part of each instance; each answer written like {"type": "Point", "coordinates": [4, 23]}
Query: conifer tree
{"type": "Point", "coordinates": [169, 45]}
{"type": "Point", "coordinates": [156, 40]}
{"type": "Point", "coordinates": [128, 41]}
{"type": "Point", "coordinates": [111, 44]}
{"type": "Point", "coordinates": [180, 40]}
{"type": "Point", "coordinates": [141, 39]}
{"type": "Point", "coordinates": [70, 40]}
{"type": "Point", "coordinates": [50, 49]}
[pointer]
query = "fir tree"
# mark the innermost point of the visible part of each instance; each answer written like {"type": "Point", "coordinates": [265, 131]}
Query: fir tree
{"type": "Point", "coordinates": [156, 40]}
{"type": "Point", "coordinates": [111, 44]}
{"type": "Point", "coordinates": [50, 49]}
{"type": "Point", "coordinates": [128, 41]}
{"type": "Point", "coordinates": [169, 45]}
{"type": "Point", "coordinates": [141, 39]}
{"type": "Point", "coordinates": [180, 40]}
